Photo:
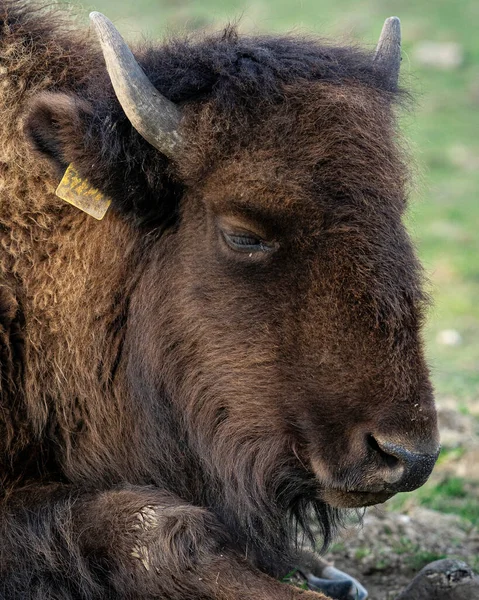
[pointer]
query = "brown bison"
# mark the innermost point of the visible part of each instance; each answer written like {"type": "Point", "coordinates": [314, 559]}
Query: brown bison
{"type": "Point", "coordinates": [233, 353]}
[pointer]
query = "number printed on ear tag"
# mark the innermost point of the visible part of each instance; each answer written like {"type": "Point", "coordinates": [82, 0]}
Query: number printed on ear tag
{"type": "Point", "coordinates": [78, 192]}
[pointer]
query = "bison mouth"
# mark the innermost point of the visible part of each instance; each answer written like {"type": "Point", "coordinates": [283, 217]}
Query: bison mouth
{"type": "Point", "coordinates": [349, 492]}
{"type": "Point", "coordinates": [338, 498]}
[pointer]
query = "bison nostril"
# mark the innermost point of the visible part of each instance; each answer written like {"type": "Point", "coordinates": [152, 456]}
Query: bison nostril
{"type": "Point", "coordinates": [390, 460]}
{"type": "Point", "coordinates": [403, 469]}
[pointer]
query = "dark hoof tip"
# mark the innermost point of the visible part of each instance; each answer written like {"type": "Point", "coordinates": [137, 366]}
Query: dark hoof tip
{"type": "Point", "coordinates": [333, 575]}
{"type": "Point", "coordinates": [338, 589]}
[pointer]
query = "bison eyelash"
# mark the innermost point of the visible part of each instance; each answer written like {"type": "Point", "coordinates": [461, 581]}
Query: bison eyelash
{"type": "Point", "coordinates": [246, 243]}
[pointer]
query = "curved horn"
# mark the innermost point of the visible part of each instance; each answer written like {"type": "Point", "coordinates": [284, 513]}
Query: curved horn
{"type": "Point", "coordinates": [154, 117]}
{"type": "Point", "coordinates": [388, 51]}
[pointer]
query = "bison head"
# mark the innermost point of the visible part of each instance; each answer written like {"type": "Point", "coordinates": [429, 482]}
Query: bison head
{"type": "Point", "coordinates": [277, 312]}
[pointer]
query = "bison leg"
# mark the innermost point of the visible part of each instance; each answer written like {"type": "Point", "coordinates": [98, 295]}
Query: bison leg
{"type": "Point", "coordinates": [129, 543]}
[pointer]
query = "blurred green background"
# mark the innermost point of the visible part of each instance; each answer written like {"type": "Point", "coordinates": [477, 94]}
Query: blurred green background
{"type": "Point", "coordinates": [441, 67]}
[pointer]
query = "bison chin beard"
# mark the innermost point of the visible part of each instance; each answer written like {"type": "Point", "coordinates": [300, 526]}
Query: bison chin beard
{"type": "Point", "coordinates": [274, 509]}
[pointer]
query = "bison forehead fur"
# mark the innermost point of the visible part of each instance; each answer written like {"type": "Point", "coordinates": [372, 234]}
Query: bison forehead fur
{"type": "Point", "coordinates": [268, 386]}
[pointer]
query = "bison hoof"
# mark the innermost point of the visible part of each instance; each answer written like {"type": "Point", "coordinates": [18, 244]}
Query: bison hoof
{"type": "Point", "coordinates": [339, 590]}
{"type": "Point", "coordinates": [446, 579]}
{"type": "Point", "coordinates": [338, 585]}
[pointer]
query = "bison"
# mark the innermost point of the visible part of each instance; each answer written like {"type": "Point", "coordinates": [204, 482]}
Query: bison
{"type": "Point", "coordinates": [232, 355]}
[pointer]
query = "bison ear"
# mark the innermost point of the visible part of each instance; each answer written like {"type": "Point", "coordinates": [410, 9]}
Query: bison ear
{"type": "Point", "coordinates": [55, 126]}
{"type": "Point", "coordinates": [66, 129]}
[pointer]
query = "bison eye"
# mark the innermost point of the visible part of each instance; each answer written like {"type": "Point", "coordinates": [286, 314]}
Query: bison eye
{"type": "Point", "coordinates": [247, 242]}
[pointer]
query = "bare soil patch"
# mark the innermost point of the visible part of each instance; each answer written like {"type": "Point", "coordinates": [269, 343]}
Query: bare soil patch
{"type": "Point", "coordinates": [389, 549]}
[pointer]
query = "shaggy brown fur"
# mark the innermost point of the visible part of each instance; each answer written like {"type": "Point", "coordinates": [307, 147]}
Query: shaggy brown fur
{"type": "Point", "coordinates": [173, 409]}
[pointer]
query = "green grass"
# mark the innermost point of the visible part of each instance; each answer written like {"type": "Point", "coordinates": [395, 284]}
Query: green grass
{"type": "Point", "coordinates": [416, 557]}
{"type": "Point", "coordinates": [452, 495]}
{"type": "Point", "coordinates": [450, 454]}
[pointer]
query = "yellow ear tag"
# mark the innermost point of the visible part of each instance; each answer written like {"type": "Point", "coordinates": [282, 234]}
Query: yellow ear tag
{"type": "Point", "coordinates": [75, 190]}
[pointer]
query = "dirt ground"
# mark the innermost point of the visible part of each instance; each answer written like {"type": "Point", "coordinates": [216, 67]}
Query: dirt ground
{"type": "Point", "coordinates": [389, 548]}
